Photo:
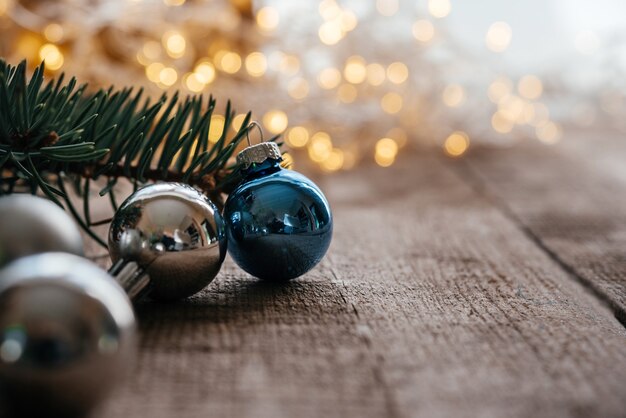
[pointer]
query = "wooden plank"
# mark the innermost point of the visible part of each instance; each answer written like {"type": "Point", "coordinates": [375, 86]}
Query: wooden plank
{"type": "Point", "coordinates": [431, 303]}
{"type": "Point", "coordinates": [572, 200]}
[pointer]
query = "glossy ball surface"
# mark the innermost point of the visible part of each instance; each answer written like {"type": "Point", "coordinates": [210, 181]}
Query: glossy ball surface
{"type": "Point", "coordinates": [32, 225]}
{"type": "Point", "coordinates": [67, 334]}
{"type": "Point", "coordinates": [279, 224]}
{"type": "Point", "coordinates": [175, 233]}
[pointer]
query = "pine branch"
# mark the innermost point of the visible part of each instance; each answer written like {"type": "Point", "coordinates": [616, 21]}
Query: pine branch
{"type": "Point", "coordinates": [56, 133]}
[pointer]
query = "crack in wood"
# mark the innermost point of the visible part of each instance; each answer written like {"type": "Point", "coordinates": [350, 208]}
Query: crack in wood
{"type": "Point", "coordinates": [471, 176]}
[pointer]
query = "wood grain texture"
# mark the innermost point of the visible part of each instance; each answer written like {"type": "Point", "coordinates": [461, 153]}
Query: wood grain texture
{"type": "Point", "coordinates": [572, 200]}
{"type": "Point", "coordinates": [431, 303]}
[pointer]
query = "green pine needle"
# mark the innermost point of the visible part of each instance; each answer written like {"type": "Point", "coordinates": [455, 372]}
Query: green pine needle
{"type": "Point", "coordinates": [56, 133]}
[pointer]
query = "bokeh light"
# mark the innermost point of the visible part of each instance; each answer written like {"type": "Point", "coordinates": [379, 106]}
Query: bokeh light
{"type": "Point", "coordinates": [453, 95]}
{"type": "Point", "coordinates": [53, 32]}
{"type": "Point", "coordinates": [375, 74]}
{"type": "Point", "coordinates": [320, 147]}
{"type": "Point", "coordinates": [423, 30]}
{"type": "Point", "coordinates": [334, 160]}
{"type": "Point", "coordinates": [330, 33]}
{"type": "Point", "coordinates": [298, 88]}
{"type": "Point", "coordinates": [385, 152]}
{"type": "Point", "coordinates": [354, 71]}
{"type": "Point", "coordinates": [387, 7]}
{"type": "Point", "coordinates": [498, 36]}
{"type": "Point", "coordinates": [297, 137]}
{"type": "Point", "coordinates": [174, 43]}
{"type": "Point", "coordinates": [193, 83]}
{"type": "Point", "coordinates": [397, 72]}
{"type": "Point", "coordinates": [275, 121]}
{"type": "Point", "coordinates": [456, 144]}
{"type": "Point", "coordinates": [530, 87]}
{"type": "Point", "coordinates": [549, 132]}
{"type": "Point", "coordinates": [52, 55]}
{"type": "Point", "coordinates": [217, 128]}
{"type": "Point", "coordinates": [439, 8]}
{"type": "Point", "coordinates": [347, 93]}
{"type": "Point", "coordinates": [268, 18]}
{"type": "Point", "coordinates": [205, 72]}
{"type": "Point", "coordinates": [256, 64]}
{"type": "Point", "coordinates": [168, 76]}
{"type": "Point", "coordinates": [329, 78]}
{"type": "Point", "coordinates": [391, 102]}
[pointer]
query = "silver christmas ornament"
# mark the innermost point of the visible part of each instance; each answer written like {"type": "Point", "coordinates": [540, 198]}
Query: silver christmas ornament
{"type": "Point", "coordinates": [166, 240]}
{"type": "Point", "coordinates": [67, 334]}
{"type": "Point", "coordinates": [32, 225]}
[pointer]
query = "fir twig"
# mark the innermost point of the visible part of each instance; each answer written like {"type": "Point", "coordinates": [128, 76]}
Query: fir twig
{"type": "Point", "coordinates": [56, 131]}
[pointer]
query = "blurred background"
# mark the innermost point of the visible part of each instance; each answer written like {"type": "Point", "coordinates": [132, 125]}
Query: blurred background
{"type": "Point", "coordinates": [350, 81]}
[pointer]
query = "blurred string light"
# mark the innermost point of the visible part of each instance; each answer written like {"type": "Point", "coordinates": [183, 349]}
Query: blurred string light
{"type": "Point", "coordinates": [217, 128]}
{"type": "Point", "coordinates": [498, 36]}
{"type": "Point", "coordinates": [324, 75]}
{"type": "Point", "coordinates": [329, 78]}
{"type": "Point", "coordinates": [456, 144]}
{"type": "Point", "coordinates": [297, 137]}
{"type": "Point", "coordinates": [52, 55]}
{"type": "Point", "coordinates": [256, 64]}
{"type": "Point", "coordinates": [267, 19]}
{"type": "Point", "coordinates": [53, 32]}
{"type": "Point", "coordinates": [530, 87]}
{"type": "Point", "coordinates": [174, 43]}
{"type": "Point", "coordinates": [423, 30]}
{"type": "Point", "coordinates": [439, 8]}
{"type": "Point", "coordinates": [275, 121]}
{"type": "Point", "coordinates": [385, 152]}
{"type": "Point", "coordinates": [453, 95]}
{"type": "Point", "coordinates": [387, 7]}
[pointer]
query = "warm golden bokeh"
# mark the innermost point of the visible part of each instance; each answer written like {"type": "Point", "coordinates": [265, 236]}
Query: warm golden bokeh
{"type": "Point", "coordinates": [456, 144]}
{"type": "Point", "coordinates": [275, 121]}
{"type": "Point", "coordinates": [256, 64]}
{"type": "Point", "coordinates": [297, 137]}
{"type": "Point", "coordinates": [423, 30]}
{"type": "Point", "coordinates": [320, 147]}
{"type": "Point", "coordinates": [356, 72]}
{"type": "Point", "coordinates": [329, 78]}
{"type": "Point", "coordinates": [267, 18]}
{"type": "Point", "coordinates": [217, 128]}
{"type": "Point", "coordinates": [453, 95]}
{"type": "Point", "coordinates": [52, 55]}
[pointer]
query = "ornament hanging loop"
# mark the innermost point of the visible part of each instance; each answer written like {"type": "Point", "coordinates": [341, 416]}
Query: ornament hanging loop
{"type": "Point", "coordinates": [252, 125]}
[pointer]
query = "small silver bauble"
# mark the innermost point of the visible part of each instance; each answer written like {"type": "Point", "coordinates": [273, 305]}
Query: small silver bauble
{"type": "Point", "coordinates": [166, 239]}
{"type": "Point", "coordinates": [31, 225]}
{"type": "Point", "coordinates": [67, 334]}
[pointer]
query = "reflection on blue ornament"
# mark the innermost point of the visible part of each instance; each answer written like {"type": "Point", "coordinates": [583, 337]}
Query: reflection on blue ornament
{"type": "Point", "coordinates": [279, 222]}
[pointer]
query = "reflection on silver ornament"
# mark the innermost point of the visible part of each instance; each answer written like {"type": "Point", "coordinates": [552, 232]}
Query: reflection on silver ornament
{"type": "Point", "coordinates": [31, 225]}
{"type": "Point", "coordinates": [67, 334]}
{"type": "Point", "coordinates": [167, 240]}
{"type": "Point", "coordinates": [279, 223]}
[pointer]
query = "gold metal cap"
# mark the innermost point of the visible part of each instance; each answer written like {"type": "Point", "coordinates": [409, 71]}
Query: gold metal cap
{"type": "Point", "coordinates": [259, 153]}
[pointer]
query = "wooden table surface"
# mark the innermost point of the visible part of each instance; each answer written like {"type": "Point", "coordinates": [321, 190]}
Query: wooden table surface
{"type": "Point", "coordinates": [491, 286]}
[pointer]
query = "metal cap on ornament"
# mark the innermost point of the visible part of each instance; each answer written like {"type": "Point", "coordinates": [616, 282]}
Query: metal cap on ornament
{"type": "Point", "coordinates": [258, 153]}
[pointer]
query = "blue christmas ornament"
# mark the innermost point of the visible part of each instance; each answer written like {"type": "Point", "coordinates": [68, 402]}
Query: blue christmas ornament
{"type": "Point", "coordinates": [279, 224]}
